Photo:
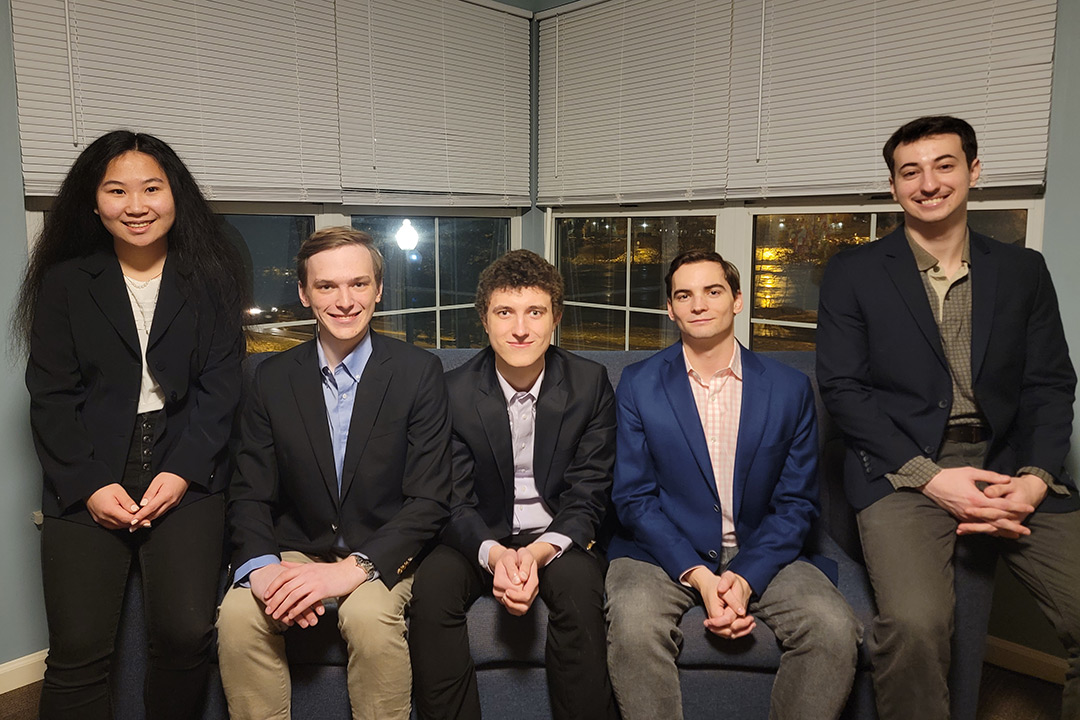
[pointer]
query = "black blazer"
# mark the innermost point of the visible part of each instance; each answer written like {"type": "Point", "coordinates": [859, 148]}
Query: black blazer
{"type": "Point", "coordinates": [395, 487]}
{"type": "Point", "coordinates": [574, 450]}
{"type": "Point", "coordinates": [85, 369]}
{"type": "Point", "coordinates": [885, 380]}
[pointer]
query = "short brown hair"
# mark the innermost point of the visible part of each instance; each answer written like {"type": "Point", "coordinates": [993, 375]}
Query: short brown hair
{"type": "Point", "coordinates": [731, 273]}
{"type": "Point", "coordinates": [517, 270]}
{"type": "Point", "coordinates": [335, 237]}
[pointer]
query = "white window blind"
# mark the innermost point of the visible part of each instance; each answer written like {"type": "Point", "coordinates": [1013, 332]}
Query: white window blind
{"type": "Point", "coordinates": [436, 108]}
{"type": "Point", "coordinates": [814, 89]}
{"type": "Point", "coordinates": [244, 92]}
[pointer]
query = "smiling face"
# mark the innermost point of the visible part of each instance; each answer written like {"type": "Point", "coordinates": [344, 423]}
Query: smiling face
{"type": "Point", "coordinates": [341, 292]}
{"type": "Point", "coordinates": [702, 304]}
{"type": "Point", "coordinates": [519, 324]}
{"type": "Point", "coordinates": [932, 179]}
{"type": "Point", "coordinates": [135, 202]}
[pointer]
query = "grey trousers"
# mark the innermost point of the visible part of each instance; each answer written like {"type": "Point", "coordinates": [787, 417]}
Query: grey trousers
{"type": "Point", "coordinates": [908, 542]}
{"type": "Point", "coordinates": [816, 628]}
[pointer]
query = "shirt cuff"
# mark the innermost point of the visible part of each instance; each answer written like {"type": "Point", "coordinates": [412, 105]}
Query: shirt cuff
{"type": "Point", "coordinates": [485, 550]}
{"type": "Point", "coordinates": [374, 570]}
{"type": "Point", "coordinates": [915, 473]}
{"type": "Point", "coordinates": [560, 541]}
{"type": "Point", "coordinates": [242, 576]}
{"type": "Point", "coordinates": [1055, 487]}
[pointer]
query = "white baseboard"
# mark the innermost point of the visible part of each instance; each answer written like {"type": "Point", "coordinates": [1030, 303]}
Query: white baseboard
{"type": "Point", "coordinates": [22, 671]}
{"type": "Point", "coordinates": [1022, 659]}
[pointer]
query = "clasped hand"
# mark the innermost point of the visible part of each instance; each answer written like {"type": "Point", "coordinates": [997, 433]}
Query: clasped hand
{"type": "Point", "coordinates": [112, 507]}
{"type": "Point", "coordinates": [999, 509]}
{"type": "Point", "coordinates": [726, 597]}
{"type": "Point", "coordinates": [293, 592]}
{"type": "Point", "coordinates": [516, 573]}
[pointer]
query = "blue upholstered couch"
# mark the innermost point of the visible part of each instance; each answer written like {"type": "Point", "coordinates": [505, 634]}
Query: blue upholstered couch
{"type": "Point", "coordinates": [509, 651]}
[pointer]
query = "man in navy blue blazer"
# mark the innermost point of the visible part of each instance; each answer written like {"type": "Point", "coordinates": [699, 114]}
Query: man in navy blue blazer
{"type": "Point", "coordinates": [716, 490]}
{"type": "Point", "coordinates": [941, 356]}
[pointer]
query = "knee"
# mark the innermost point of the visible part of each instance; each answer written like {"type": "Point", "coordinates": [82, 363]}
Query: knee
{"type": "Point", "coordinates": [633, 627]}
{"type": "Point", "coordinates": [239, 617]}
{"type": "Point", "coordinates": [834, 632]}
{"type": "Point", "coordinates": [181, 637]}
{"type": "Point", "coordinates": [919, 625]}
{"type": "Point", "coordinates": [369, 629]}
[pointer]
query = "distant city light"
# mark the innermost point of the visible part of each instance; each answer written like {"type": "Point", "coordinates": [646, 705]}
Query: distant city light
{"type": "Point", "coordinates": [255, 311]}
{"type": "Point", "coordinates": [406, 236]}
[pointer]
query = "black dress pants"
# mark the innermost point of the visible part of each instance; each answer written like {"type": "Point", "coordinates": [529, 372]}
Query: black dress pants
{"type": "Point", "coordinates": [444, 677]}
{"type": "Point", "coordinates": [85, 571]}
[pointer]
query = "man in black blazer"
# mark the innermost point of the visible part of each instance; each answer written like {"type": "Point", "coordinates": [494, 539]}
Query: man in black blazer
{"type": "Point", "coordinates": [342, 480]}
{"type": "Point", "coordinates": [533, 446]}
{"type": "Point", "coordinates": [941, 355]}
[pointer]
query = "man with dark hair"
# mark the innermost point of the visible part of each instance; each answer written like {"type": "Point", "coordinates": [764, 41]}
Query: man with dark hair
{"type": "Point", "coordinates": [716, 489]}
{"type": "Point", "coordinates": [343, 478]}
{"type": "Point", "coordinates": [941, 356]}
{"type": "Point", "coordinates": [533, 443]}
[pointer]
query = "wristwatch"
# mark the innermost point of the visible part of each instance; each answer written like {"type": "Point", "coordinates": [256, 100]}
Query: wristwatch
{"type": "Point", "coordinates": [366, 565]}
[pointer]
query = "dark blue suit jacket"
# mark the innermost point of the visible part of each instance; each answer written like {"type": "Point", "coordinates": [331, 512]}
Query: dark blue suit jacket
{"type": "Point", "coordinates": [665, 492]}
{"type": "Point", "coordinates": [885, 380]}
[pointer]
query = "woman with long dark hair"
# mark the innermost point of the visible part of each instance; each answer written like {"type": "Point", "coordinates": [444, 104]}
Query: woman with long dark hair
{"type": "Point", "coordinates": [131, 308]}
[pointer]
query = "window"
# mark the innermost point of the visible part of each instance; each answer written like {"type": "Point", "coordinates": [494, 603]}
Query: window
{"type": "Point", "coordinates": [791, 250]}
{"type": "Point", "coordinates": [268, 245]}
{"type": "Point", "coordinates": [614, 270]}
{"type": "Point", "coordinates": [430, 276]}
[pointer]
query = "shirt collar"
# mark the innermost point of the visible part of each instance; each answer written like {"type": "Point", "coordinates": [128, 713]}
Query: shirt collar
{"type": "Point", "coordinates": [925, 261]}
{"type": "Point", "coordinates": [354, 362]}
{"type": "Point", "coordinates": [509, 392]}
{"type": "Point", "coordinates": [734, 367]}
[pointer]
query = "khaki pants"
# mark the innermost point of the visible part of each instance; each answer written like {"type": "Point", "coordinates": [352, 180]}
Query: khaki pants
{"type": "Point", "coordinates": [255, 671]}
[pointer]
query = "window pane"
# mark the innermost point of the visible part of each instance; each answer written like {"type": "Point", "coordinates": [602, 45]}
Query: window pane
{"type": "Point", "coordinates": [1008, 226]}
{"type": "Point", "coordinates": [592, 258]}
{"type": "Point", "coordinates": [592, 329]}
{"type": "Point", "coordinates": [768, 338]}
{"type": "Point", "coordinates": [275, 339]}
{"type": "Point", "coordinates": [414, 328]}
{"type": "Point", "coordinates": [655, 242]}
{"type": "Point", "coordinates": [790, 253]}
{"type": "Point", "coordinates": [462, 329]}
{"type": "Point", "coordinates": [649, 331]}
{"type": "Point", "coordinates": [887, 222]}
{"type": "Point", "coordinates": [467, 246]}
{"type": "Point", "coordinates": [409, 267]}
{"type": "Point", "coordinates": [268, 245]}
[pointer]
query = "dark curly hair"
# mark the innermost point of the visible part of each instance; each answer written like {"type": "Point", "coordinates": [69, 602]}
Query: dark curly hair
{"type": "Point", "coordinates": [517, 270]}
{"type": "Point", "coordinates": [72, 229]}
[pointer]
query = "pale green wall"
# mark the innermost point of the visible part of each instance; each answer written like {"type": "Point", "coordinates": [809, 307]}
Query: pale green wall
{"type": "Point", "coordinates": [23, 631]}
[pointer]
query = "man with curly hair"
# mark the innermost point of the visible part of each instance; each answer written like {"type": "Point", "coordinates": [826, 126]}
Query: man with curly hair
{"type": "Point", "coordinates": [533, 444]}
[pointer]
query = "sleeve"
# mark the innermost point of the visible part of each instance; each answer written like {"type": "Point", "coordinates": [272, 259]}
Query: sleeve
{"type": "Point", "coordinates": [466, 531]}
{"type": "Point", "coordinates": [425, 483]}
{"type": "Point", "coordinates": [1043, 427]}
{"type": "Point", "coordinates": [57, 394]}
{"type": "Point", "coordinates": [216, 388]}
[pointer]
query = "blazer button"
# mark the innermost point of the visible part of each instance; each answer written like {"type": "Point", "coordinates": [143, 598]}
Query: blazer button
{"type": "Point", "coordinates": [928, 449]}
{"type": "Point", "coordinates": [942, 404]}
{"type": "Point", "coordinates": [716, 508]}
{"type": "Point", "coordinates": [333, 527]}
{"type": "Point", "coordinates": [172, 396]}
{"type": "Point", "coordinates": [712, 554]}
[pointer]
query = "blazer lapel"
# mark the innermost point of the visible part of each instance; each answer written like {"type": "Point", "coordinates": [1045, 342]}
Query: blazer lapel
{"type": "Point", "coordinates": [307, 389]}
{"type": "Point", "coordinates": [681, 397]}
{"type": "Point", "coordinates": [901, 267]}
{"type": "Point", "coordinates": [370, 392]}
{"type": "Point", "coordinates": [550, 407]}
{"type": "Point", "coordinates": [753, 415]}
{"type": "Point", "coordinates": [984, 278]}
{"type": "Point", "coordinates": [109, 292]}
{"type": "Point", "coordinates": [169, 302]}
{"type": "Point", "coordinates": [491, 408]}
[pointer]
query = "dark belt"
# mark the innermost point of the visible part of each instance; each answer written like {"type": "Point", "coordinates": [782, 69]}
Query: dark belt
{"type": "Point", "coordinates": [967, 433]}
